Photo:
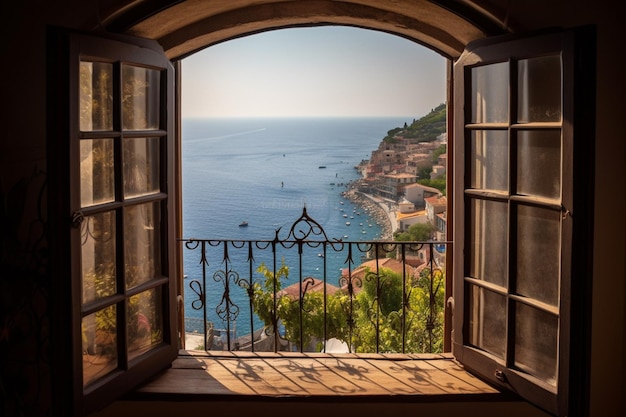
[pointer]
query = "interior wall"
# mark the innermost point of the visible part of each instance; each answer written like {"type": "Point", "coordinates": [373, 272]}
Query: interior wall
{"type": "Point", "coordinates": [25, 338]}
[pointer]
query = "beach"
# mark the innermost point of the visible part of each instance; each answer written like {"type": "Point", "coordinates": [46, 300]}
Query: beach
{"type": "Point", "coordinates": [381, 210]}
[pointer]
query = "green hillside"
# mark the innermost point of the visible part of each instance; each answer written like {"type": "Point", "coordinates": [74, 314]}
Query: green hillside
{"type": "Point", "coordinates": [425, 129]}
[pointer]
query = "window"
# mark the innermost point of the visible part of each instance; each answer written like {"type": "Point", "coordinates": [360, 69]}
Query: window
{"type": "Point", "coordinates": [520, 259]}
{"type": "Point", "coordinates": [121, 171]}
{"type": "Point", "coordinates": [515, 227]}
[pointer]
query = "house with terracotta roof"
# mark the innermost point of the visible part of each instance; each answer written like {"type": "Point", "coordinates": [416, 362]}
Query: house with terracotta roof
{"type": "Point", "coordinates": [308, 285]}
{"type": "Point", "coordinates": [417, 193]}
{"type": "Point", "coordinates": [408, 219]}
{"type": "Point", "coordinates": [393, 264]}
{"type": "Point", "coordinates": [435, 205]}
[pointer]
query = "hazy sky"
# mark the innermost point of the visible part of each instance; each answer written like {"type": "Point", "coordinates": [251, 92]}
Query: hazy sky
{"type": "Point", "coordinates": [322, 71]}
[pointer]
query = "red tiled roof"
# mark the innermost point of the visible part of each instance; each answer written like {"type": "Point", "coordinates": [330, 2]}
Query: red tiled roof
{"type": "Point", "coordinates": [389, 263]}
{"type": "Point", "coordinates": [293, 291]}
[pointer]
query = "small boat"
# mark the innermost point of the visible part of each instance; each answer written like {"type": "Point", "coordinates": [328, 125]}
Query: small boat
{"type": "Point", "coordinates": [243, 224]}
{"type": "Point", "coordinates": [322, 166]}
{"type": "Point", "coordinates": [345, 215]}
{"type": "Point", "coordinates": [347, 223]}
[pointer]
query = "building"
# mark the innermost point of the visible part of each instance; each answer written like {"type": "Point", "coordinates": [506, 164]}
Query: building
{"type": "Point", "coordinates": [309, 284]}
{"type": "Point", "coordinates": [392, 186]}
{"type": "Point", "coordinates": [442, 226]}
{"type": "Point", "coordinates": [435, 205]}
{"type": "Point", "coordinates": [408, 219]}
{"type": "Point", "coordinates": [415, 162]}
{"type": "Point", "coordinates": [438, 171]}
{"type": "Point", "coordinates": [418, 193]}
{"type": "Point", "coordinates": [39, 329]}
{"type": "Point", "coordinates": [361, 271]}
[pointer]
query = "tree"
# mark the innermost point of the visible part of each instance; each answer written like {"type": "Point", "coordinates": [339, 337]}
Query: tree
{"type": "Point", "coordinates": [418, 232]}
{"type": "Point", "coordinates": [376, 315]}
{"type": "Point", "coordinates": [287, 310]}
{"type": "Point", "coordinates": [438, 183]}
{"type": "Point", "coordinates": [382, 315]}
{"type": "Point", "coordinates": [424, 173]}
{"type": "Point", "coordinates": [441, 150]}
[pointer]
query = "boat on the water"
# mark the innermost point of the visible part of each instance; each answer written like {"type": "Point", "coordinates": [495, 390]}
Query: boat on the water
{"type": "Point", "coordinates": [243, 224]}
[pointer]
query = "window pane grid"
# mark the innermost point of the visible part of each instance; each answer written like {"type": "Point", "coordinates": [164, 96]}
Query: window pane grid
{"type": "Point", "coordinates": [516, 163]}
{"type": "Point", "coordinates": [121, 151]}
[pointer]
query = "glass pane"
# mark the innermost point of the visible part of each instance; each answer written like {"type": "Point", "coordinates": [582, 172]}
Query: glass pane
{"type": "Point", "coordinates": [140, 101]}
{"type": "Point", "coordinates": [96, 96]}
{"type": "Point", "coordinates": [98, 256]}
{"type": "Point", "coordinates": [538, 253]}
{"type": "Point", "coordinates": [145, 321]}
{"type": "Point", "coordinates": [488, 241]}
{"type": "Point", "coordinates": [99, 344]}
{"type": "Point", "coordinates": [487, 324]}
{"type": "Point", "coordinates": [490, 93]}
{"type": "Point", "coordinates": [539, 163]}
{"type": "Point", "coordinates": [489, 163]}
{"type": "Point", "coordinates": [536, 342]}
{"type": "Point", "coordinates": [97, 177]}
{"type": "Point", "coordinates": [141, 166]}
{"type": "Point", "coordinates": [142, 249]}
{"type": "Point", "coordinates": [539, 89]}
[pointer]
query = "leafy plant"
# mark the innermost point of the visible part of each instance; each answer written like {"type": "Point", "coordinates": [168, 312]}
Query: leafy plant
{"type": "Point", "coordinates": [377, 312]}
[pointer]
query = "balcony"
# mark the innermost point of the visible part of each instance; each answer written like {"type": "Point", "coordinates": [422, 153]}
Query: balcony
{"type": "Point", "coordinates": [303, 292]}
{"type": "Point", "coordinates": [384, 313]}
{"type": "Point", "coordinates": [370, 333]}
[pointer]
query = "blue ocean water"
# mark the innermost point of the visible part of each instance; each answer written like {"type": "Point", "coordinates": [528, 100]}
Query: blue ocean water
{"type": "Point", "coordinates": [264, 171]}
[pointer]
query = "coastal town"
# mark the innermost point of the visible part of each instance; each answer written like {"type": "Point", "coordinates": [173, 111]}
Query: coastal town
{"type": "Point", "coordinates": [391, 187]}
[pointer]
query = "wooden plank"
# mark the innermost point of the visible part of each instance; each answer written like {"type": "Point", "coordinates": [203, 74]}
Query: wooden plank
{"type": "Point", "coordinates": [304, 375]}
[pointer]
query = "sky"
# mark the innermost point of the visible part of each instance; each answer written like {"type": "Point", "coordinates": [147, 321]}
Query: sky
{"type": "Point", "coordinates": [327, 71]}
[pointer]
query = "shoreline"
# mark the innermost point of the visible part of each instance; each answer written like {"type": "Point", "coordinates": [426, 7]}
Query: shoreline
{"type": "Point", "coordinates": [382, 211]}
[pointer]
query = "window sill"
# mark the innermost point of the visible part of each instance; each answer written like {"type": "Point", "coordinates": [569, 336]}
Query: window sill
{"type": "Point", "coordinates": [201, 376]}
{"type": "Point", "coordinates": [316, 384]}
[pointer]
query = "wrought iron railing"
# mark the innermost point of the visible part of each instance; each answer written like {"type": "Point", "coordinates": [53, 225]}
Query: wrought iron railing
{"type": "Point", "coordinates": [388, 297]}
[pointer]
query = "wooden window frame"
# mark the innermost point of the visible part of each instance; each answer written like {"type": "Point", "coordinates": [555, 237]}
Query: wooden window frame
{"type": "Point", "coordinates": [66, 50]}
{"type": "Point", "coordinates": [573, 391]}
{"type": "Point", "coordinates": [578, 77]}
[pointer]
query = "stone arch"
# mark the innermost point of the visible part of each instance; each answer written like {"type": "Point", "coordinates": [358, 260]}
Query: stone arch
{"type": "Point", "coordinates": [185, 27]}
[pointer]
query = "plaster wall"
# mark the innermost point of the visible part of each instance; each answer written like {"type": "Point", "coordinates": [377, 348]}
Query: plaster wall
{"type": "Point", "coordinates": [23, 156]}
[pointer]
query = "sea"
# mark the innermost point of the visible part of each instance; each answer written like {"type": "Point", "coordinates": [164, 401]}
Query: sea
{"type": "Point", "coordinates": [265, 171]}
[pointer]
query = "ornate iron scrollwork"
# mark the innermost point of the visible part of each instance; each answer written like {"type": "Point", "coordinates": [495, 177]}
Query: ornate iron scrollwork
{"type": "Point", "coordinates": [396, 315]}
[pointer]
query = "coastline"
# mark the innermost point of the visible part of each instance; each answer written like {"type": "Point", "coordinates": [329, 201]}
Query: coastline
{"type": "Point", "coordinates": [383, 211]}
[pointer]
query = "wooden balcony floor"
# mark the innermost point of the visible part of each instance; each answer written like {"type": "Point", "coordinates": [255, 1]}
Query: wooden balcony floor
{"type": "Point", "coordinates": [200, 375]}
